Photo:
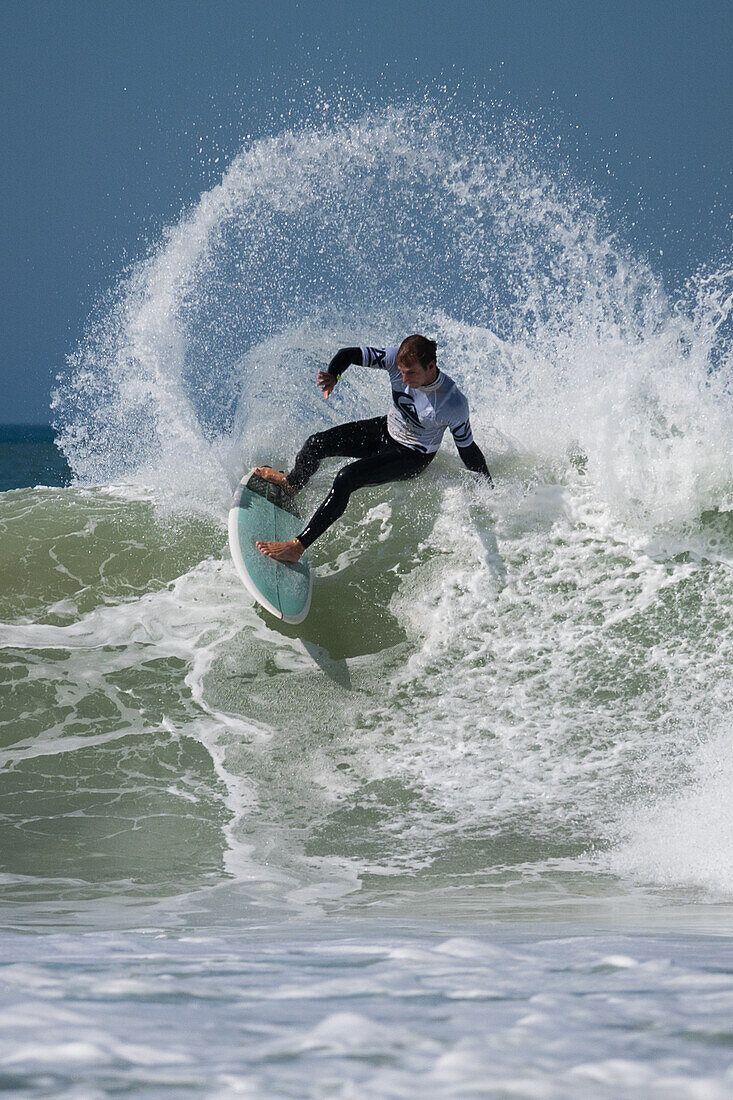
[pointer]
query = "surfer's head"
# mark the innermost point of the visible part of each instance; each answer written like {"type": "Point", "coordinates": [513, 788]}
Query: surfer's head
{"type": "Point", "coordinates": [416, 360]}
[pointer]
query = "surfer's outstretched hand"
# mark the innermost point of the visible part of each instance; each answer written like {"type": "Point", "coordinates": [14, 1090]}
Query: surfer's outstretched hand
{"type": "Point", "coordinates": [326, 382]}
{"type": "Point", "coordinates": [292, 550]}
{"type": "Point", "coordinates": [276, 477]}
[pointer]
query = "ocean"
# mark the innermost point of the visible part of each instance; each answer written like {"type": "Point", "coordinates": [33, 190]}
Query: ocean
{"type": "Point", "coordinates": [468, 830]}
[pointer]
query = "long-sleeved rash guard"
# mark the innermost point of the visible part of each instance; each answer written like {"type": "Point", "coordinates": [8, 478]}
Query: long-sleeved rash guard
{"type": "Point", "coordinates": [419, 415]}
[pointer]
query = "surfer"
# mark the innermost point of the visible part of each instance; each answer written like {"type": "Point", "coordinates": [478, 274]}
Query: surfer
{"type": "Point", "coordinates": [395, 447]}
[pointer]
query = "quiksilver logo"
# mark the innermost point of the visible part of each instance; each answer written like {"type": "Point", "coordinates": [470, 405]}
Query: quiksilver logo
{"type": "Point", "coordinates": [406, 405]}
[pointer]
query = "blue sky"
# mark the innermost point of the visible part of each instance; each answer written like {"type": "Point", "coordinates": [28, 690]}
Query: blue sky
{"type": "Point", "coordinates": [114, 116]}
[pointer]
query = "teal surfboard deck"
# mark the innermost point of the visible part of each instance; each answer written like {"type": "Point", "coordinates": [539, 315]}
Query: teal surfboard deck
{"type": "Point", "coordinates": [261, 511]}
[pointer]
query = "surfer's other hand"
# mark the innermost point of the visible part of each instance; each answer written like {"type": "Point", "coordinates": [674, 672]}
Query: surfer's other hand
{"type": "Point", "coordinates": [326, 382]}
{"type": "Point", "coordinates": [292, 550]}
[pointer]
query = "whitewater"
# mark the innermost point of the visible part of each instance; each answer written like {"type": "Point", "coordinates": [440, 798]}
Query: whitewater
{"type": "Point", "coordinates": [468, 829]}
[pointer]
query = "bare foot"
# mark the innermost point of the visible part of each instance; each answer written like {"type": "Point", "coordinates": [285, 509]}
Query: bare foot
{"type": "Point", "coordinates": [292, 550]}
{"type": "Point", "coordinates": [275, 477]}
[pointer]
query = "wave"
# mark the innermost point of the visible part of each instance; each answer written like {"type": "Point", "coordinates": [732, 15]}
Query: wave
{"type": "Point", "coordinates": [489, 685]}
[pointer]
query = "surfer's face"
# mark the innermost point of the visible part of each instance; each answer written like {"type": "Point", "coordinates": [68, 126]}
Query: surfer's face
{"type": "Point", "coordinates": [413, 372]}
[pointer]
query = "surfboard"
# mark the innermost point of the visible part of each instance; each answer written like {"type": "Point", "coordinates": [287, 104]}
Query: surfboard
{"type": "Point", "coordinates": [261, 511]}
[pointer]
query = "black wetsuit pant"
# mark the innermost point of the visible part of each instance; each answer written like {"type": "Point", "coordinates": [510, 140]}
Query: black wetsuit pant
{"type": "Point", "coordinates": [380, 460]}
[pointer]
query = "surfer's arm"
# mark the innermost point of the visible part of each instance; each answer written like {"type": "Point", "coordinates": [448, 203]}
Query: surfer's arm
{"type": "Point", "coordinates": [472, 457]}
{"type": "Point", "coordinates": [344, 358]}
{"type": "Point", "coordinates": [471, 454]}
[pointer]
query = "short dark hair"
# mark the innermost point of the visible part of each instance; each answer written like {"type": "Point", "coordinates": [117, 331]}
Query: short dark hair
{"type": "Point", "coordinates": [419, 347]}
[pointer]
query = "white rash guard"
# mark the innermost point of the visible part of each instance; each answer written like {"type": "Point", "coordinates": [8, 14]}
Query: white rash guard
{"type": "Point", "coordinates": [419, 415]}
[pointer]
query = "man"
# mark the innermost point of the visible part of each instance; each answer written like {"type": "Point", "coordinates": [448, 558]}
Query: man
{"type": "Point", "coordinates": [425, 402]}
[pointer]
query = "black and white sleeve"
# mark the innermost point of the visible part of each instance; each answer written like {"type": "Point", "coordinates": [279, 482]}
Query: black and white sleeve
{"type": "Point", "coordinates": [473, 458]}
{"type": "Point", "coordinates": [344, 358]}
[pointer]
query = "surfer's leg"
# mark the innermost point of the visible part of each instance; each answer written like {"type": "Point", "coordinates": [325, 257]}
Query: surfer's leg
{"type": "Point", "coordinates": [392, 465]}
{"type": "Point", "coordinates": [357, 439]}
